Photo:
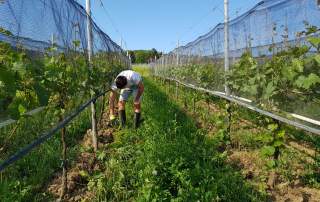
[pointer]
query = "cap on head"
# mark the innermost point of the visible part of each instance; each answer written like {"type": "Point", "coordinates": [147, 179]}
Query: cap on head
{"type": "Point", "coordinates": [121, 82]}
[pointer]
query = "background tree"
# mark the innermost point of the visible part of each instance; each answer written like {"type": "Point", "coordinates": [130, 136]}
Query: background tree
{"type": "Point", "coordinates": [144, 56]}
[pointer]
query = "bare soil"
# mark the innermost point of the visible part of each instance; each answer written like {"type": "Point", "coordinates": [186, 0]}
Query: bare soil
{"type": "Point", "coordinates": [250, 165]}
{"type": "Point", "coordinates": [86, 163]}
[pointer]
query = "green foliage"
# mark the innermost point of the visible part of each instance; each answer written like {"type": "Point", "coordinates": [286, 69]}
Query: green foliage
{"type": "Point", "coordinates": [20, 80]}
{"type": "Point", "coordinates": [289, 76]}
{"type": "Point", "coordinates": [4, 31]}
{"type": "Point", "coordinates": [64, 79]}
{"type": "Point", "coordinates": [144, 56]}
{"type": "Point", "coordinates": [59, 81]}
{"type": "Point", "coordinates": [57, 78]}
{"type": "Point", "coordinates": [245, 77]}
{"type": "Point", "coordinates": [307, 82]}
{"type": "Point", "coordinates": [207, 76]}
{"type": "Point", "coordinates": [275, 84]}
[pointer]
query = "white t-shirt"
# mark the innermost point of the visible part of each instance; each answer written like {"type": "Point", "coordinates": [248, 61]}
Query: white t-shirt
{"type": "Point", "coordinates": [133, 79]}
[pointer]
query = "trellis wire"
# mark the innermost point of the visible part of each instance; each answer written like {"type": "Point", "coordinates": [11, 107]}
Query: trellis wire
{"type": "Point", "coordinates": [248, 106]}
{"type": "Point", "coordinates": [25, 150]}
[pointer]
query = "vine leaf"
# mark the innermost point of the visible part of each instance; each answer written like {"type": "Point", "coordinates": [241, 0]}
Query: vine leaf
{"type": "Point", "coordinates": [273, 127]}
{"type": "Point", "coordinates": [315, 42]}
{"type": "Point", "coordinates": [267, 151]}
{"type": "Point", "coordinates": [281, 134]}
{"type": "Point", "coordinates": [42, 94]}
{"type": "Point", "coordinates": [307, 82]}
{"type": "Point", "coordinates": [297, 65]}
{"type": "Point", "coordinates": [15, 108]}
{"type": "Point", "coordinates": [278, 143]}
{"type": "Point", "coordinates": [22, 109]}
{"type": "Point", "coordinates": [317, 59]}
{"type": "Point", "coordinates": [269, 91]}
{"type": "Point", "coordinates": [20, 68]}
{"type": "Point", "coordinates": [271, 164]}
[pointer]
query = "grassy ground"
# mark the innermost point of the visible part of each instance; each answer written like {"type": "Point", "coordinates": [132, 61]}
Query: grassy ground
{"type": "Point", "coordinates": [168, 159]}
{"type": "Point", "coordinates": [178, 154]}
{"type": "Point", "coordinates": [143, 70]}
{"type": "Point", "coordinates": [25, 179]}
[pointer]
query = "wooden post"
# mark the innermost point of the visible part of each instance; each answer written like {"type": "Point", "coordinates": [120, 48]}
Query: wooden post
{"type": "Point", "coordinates": [273, 175]}
{"type": "Point", "coordinates": [194, 103]}
{"type": "Point", "coordinates": [64, 178]}
{"type": "Point", "coordinates": [177, 85]}
{"type": "Point", "coordinates": [229, 113]}
{"type": "Point", "coordinates": [185, 98]}
{"type": "Point", "coordinates": [226, 42]}
{"type": "Point", "coordinates": [226, 63]}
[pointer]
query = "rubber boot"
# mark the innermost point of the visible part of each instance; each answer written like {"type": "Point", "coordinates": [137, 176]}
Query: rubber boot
{"type": "Point", "coordinates": [137, 120]}
{"type": "Point", "coordinates": [122, 116]}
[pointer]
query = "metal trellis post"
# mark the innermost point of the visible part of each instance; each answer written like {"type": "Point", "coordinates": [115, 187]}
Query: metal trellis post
{"type": "Point", "coordinates": [226, 42]}
{"type": "Point", "coordinates": [178, 44]}
{"type": "Point", "coordinates": [226, 63]}
{"type": "Point", "coordinates": [90, 52]}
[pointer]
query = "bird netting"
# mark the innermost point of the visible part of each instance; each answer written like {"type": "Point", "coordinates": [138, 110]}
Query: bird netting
{"type": "Point", "coordinates": [40, 28]}
{"type": "Point", "coordinates": [36, 24]}
{"type": "Point", "coordinates": [47, 68]}
{"type": "Point", "coordinates": [276, 22]}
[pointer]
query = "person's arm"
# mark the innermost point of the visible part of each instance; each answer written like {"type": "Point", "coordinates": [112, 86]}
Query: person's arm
{"type": "Point", "coordinates": [112, 99]}
{"type": "Point", "coordinates": [140, 91]}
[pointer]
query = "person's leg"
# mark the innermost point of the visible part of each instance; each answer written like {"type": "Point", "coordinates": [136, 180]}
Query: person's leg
{"type": "Point", "coordinates": [122, 105]}
{"type": "Point", "coordinates": [122, 113]}
{"type": "Point", "coordinates": [112, 99]}
{"type": "Point", "coordinates": [137, 107]}
{"type": "Point", "coordinates": [137, 110]}
{"type": "Point", "coordinates": [124, 95]}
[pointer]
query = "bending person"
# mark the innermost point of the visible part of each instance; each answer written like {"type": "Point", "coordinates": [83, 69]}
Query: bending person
{"type": "Point", "coordinates": [129, 83]}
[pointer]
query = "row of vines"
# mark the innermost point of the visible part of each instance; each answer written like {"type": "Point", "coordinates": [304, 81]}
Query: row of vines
{"type": "Point", "coordinates": [289, 81]}
{"type": "Point", "coordinates": [53, 80]}
{"type": "Point", "coordinates": [59, 82]}
{"type": "Point", "coordinates": [278, 160]}
{"type": "Point", "coordinates": [282, 82]}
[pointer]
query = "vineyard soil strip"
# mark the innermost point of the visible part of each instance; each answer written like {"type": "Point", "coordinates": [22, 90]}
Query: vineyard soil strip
{"type": "Point", "coordinates": [266, 113]}
{"type": "Point", "coordinates": [24, 151]}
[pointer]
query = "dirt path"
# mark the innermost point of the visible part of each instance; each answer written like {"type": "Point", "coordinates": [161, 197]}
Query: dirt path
{"type": "Point", "coordinates": [85, 165]}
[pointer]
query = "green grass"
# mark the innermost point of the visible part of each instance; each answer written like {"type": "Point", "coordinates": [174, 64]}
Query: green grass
{"type": "Point", "coordinates": [167, 159]}
{"type": "Point", "coordinates": [143, 70]}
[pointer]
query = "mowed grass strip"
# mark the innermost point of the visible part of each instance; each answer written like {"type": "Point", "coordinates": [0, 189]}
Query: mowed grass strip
{"type": "Point", "coordinates": [167, 159]}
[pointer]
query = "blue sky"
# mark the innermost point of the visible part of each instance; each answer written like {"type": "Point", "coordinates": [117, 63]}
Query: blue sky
{"type": "Point", "coordinates": [146, 24]}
